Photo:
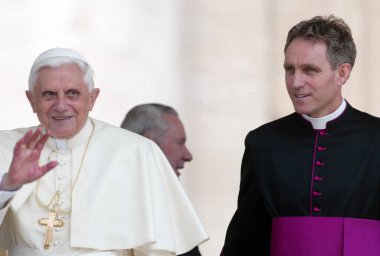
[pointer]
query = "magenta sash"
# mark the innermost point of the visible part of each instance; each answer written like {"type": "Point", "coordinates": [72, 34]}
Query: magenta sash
{"type": "Point", "coordinates": [325, 236]}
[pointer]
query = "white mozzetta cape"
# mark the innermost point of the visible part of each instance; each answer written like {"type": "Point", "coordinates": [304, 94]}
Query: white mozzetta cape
{"type": "Point", "coordinates": [126, 196]}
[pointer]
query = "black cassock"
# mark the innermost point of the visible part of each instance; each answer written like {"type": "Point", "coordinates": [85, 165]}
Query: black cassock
{"type": "Point", "coordinates": [291, 169]}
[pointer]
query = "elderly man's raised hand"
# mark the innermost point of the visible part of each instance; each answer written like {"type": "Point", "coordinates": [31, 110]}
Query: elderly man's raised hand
{"type": "Point", "coordinates": [25, 166]}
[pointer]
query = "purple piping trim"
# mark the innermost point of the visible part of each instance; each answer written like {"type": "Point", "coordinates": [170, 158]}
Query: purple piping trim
{"type": "Point", "coordinates": [312, 174]}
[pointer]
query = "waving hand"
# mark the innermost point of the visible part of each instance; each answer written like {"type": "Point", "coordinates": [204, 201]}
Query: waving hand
{"type": "Point", "coordinates": [25, 167]}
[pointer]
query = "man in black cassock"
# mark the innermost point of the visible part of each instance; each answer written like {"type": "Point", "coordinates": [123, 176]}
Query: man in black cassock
{"type": "Point", "coordinates": [310, 181]}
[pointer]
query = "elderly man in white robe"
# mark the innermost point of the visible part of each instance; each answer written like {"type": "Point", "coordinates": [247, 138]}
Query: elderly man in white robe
{"type": "Point", "coordinates": [74, 185]}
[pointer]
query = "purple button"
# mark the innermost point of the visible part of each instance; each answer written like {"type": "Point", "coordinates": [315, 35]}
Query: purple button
{"type": "Point", "coordinates": [319, 163]}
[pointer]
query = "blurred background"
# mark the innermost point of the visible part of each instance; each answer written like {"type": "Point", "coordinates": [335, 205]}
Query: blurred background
{"type": "Point", "coordinates": [219, 63]}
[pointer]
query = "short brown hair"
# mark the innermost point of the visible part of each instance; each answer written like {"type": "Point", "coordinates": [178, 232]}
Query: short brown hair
{"type": "Point", "coordinates": [333, 31]}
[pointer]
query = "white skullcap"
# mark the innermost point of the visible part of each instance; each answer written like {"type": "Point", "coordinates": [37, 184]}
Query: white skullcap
{"type": "Point", "coordinates": [59, 52]}
{"type": "Point", "coordinates": [57, 56]}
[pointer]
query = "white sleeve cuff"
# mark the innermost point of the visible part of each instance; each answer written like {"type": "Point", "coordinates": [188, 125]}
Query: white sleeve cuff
{"type": "Point", "coordinates": [5, 195]}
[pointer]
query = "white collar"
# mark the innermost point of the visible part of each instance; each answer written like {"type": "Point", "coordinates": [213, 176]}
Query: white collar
{"type": "Point", "coordinates": [79, 138]}
{"type": "Point", "coordinates": [319, 123]}
{"type": "Point", "coordinates": [61, 144]}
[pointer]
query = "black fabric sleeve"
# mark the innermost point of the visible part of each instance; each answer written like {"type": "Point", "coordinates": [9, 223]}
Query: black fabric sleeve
{"type": "Point", "coordinates": [194, 252]}
{"type": "Point", "coordinates": [250, 227]}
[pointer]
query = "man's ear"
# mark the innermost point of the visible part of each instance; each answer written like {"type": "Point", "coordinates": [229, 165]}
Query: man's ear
{"type": "Point", "coordinates": [94, 95]}
{"type": "Point", "coordinates": [343, 73]}
{"type": "Point", "coordinates": [152, 136]}
{"type": "Point", "coordinates": [30, 97]}
{"type": "Point", "coordinates": [148, 135]}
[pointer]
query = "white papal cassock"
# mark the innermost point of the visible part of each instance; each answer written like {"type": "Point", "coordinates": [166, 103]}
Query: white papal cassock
{"type": "Point", "coordinates": [125, 196]}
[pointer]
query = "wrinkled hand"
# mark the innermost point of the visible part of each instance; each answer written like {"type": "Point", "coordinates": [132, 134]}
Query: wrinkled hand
{"type": "Point", "coordinates": [25, 167]}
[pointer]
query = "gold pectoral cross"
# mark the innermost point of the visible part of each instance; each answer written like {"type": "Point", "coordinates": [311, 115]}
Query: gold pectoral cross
{"type": "Point", "coordinates": [51, 222]}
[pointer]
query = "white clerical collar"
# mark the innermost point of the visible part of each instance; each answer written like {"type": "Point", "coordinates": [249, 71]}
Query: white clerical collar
{"type": "Point", "coordinates": [319, 123]}
{"type": "Point", "coordinates": [61, 144]}
{"type": "Point", "coordinates": [74, 141]}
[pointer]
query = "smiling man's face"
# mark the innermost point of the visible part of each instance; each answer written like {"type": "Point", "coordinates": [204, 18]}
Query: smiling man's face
{"type": "Point", "coordinates": [313, 87]}
{"type": "Point", "coordinates": [62, 100]}
{"type": "Point", "coordinates": [172, 142]}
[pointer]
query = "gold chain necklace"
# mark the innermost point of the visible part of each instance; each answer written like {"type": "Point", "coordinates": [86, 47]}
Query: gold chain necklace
{"type": "Point", "coordinates": [56, 198]}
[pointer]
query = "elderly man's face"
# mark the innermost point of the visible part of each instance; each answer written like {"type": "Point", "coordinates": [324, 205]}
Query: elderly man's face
{"type": "Point", "coordinates": [62, 100]}
{"type": "Point", "coordinates": [173, 144]}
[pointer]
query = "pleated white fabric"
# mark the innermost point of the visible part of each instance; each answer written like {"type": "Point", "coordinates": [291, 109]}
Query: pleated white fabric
{"type": "Point", "coordinates": [126, 196]}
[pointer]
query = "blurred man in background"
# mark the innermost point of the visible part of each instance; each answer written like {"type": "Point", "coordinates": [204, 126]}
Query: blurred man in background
{"type": "Point", "coordinates": [161, 124]}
